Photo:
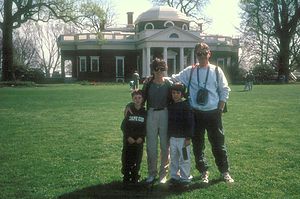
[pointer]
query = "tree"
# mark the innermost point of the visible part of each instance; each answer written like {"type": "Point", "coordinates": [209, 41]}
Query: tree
{"type": "Point", "coordinates": [98, 14]}
{"type": "Point", "coordinates": [276, 21]}
{"type": "Point", "coordinates": [47, 47]}
{"type": "Point", "coordinates": [17, 12]}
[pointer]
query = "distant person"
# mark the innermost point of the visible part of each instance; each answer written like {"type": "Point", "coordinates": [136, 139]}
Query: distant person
{"type": "Point", "coordinates": [208, 92]}
{"type": "Point", "coordinates": [180, 131]}
{"type": "Point", "coordinates": [136, 80]}
{"type": "Point", "coordinates": [249, 78]}
{"type": "Point", "coordinates": [134, 132]}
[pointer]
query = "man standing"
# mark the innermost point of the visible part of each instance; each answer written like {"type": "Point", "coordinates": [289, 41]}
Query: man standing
{"type": "Point", "coordinates": [136, 79]}
{"type": "Point", "coordinates": [207, 96]}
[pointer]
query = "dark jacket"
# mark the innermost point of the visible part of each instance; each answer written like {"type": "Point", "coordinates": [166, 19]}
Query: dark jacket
{"type": "Point", "coordinates": [181, 120]}
{"type": "Point", "coordinates": [134, 125]}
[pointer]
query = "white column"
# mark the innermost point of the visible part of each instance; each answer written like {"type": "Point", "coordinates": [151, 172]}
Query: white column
{"type": "Point", "coordinates": [148, 62]}
{"type": "Point", "coordinates": [181, 59]}
{"type": "Point", "coordinates": [174, 66]}
{"type": "Point", "coordinates": [166, 55]}
{"type": "Point", "coordinates": [192, 56]}
{"type": "Point", "coordinates": [144, 72]}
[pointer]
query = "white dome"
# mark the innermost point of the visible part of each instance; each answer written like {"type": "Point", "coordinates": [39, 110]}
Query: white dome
{"type": "Point", "coordinates": [162, 13]}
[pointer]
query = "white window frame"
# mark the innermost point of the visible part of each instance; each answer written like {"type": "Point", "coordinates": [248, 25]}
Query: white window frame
{"type": "Point", "coordinates": [97, 60]}
{"type": "Point", "coordinates": [151, 24]}
{"type": "Point", "coordinates": [81, 69]}
{"type": "Point", "coordinates": [184, 27]}
{"type": "Point", "coordinates": [167, 22]}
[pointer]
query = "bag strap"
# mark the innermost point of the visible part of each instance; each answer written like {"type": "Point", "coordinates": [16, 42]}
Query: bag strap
{"type": "Point", "coordinates": [189, 84]}
{"type": "Point", "coordinates": [217, 77]}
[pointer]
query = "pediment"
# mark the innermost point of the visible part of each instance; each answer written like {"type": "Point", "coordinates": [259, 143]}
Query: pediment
{"type": "Point", "coordinates": [173, 34]}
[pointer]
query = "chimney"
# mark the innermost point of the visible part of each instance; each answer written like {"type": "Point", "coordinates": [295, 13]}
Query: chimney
{"type": "Point", "coordinates": [129, 19]}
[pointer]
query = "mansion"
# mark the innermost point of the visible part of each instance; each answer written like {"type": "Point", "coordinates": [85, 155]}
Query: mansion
{"type": "Point", "coordinates": [158, 32]}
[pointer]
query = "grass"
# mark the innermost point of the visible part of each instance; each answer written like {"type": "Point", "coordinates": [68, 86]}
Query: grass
{"type": "Point", "coordinates": [64, 141]}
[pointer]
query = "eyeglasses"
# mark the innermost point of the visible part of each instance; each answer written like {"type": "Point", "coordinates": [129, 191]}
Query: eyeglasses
{"type": "Point", "coordinates": [203, 53]}
{"type": "Point", "coordinates": [159, 69]}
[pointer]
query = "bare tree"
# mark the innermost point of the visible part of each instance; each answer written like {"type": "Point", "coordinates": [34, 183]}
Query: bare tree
{"type": "Point", "coordinates": [276, 21]}
{"type": "Point", "coordinates": [16, 12]}
{"type": "Point", "coordinates": [25, 52]}
{"type": "Point", "coordinates": [48, 51]}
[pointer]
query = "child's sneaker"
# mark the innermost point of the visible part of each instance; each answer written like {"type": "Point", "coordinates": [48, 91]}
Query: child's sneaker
{"type": "Point", "coordinates": [204, 177]}
{"type": "Point", "coordinates": [227, 178]}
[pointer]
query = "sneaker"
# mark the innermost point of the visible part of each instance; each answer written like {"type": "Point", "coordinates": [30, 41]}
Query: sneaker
{"type": "Point", "coordinates": [150, 180]}
{"type": "Point", "coordinates": [163, 180]}
{"type": "Point", "coordinates": [227, 178]}
{"type": "Point", "coordinates": [204, 177]}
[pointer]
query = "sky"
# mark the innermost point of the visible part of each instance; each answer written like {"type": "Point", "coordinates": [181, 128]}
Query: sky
{"type": "Point", "coordinates": [224, 14]}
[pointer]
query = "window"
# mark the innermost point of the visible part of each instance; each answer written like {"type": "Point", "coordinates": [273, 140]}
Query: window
{"type": "Point", "coordinates": [94, 63]}
{"type": "Point", "coordinates": [221, 62]}
{"type": "Point", "coordinates": [149, 26]}
{"type": "Point", "coordinates": [168, 24]}
{"type": "Point", "coordinates": [119, 66]}
{"type": "Point", "coordinates": [174, 35]}
{"type": "Point", "coordinates": [184, 27]}
{"type": "Point", "coordinates": [82, 64]}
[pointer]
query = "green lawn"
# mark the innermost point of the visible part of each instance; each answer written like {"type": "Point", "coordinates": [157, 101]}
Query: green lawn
{"type": "Point", "coordinates": [64, 141]}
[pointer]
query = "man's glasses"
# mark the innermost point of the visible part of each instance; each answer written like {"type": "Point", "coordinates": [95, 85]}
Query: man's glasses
{"type": "Point", "coordinates": [202, 53]}
{"type": "Point", "coordinates": [159, 69]}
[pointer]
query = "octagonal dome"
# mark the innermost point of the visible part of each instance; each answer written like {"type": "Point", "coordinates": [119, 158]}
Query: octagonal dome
{"type": "Point", "coordinates": [162, 13]}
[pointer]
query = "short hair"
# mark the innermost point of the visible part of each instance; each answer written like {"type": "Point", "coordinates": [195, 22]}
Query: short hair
{"type": "Point", "coordinates": [202, 45]}
{"type": "Point", "coordinates": [157, 62]}
{"type": "Point", "coordinates": [136, 92]}
{"type": "Point", "coordinates": [178, 86]}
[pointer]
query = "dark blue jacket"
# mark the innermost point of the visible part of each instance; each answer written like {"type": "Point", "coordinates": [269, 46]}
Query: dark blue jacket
{"type": "Point", "coordinates": [181, 120]}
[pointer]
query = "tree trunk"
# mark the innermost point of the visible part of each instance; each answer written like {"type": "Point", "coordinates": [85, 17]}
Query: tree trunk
{"type": "Point", "coordinates": [283, 65]}
{"type": "Point", "coordinates": [7, 66]}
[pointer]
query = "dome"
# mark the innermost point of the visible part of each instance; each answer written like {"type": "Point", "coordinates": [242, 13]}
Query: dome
{"type": "Point", "coordinates": [162, 13]}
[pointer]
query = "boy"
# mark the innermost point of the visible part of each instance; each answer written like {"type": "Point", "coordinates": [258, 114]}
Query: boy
{"type": "Point", "coordinates": [134, 132]}
{"type": "Point", "coordinates": [180, 131]}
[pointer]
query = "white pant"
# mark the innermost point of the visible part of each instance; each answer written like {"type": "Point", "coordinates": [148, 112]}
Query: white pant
{"type": "Point", "coordinates": [157, 125]}
{"type": "Point", "coordinates": [180, 168]}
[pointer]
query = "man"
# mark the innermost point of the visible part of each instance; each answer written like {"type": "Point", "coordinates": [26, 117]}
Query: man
{"type": "Point", "coordinates": [207, 96]}
{"type": "Point", "coordinates": [136, 79]}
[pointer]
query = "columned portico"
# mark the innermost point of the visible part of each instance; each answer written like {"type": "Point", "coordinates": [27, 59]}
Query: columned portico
{"type": "Point", "coordinates": [177, 59]}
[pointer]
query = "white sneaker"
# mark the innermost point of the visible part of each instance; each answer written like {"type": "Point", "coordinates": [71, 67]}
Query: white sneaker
{"type": "Point", "coordinates": [163, 180]}
{"type": "Point", "coordinates": [204, 177]}
{"type": "Point", "coordinates": [227, 178]}
{"type": "Point", "coordinates": [150, 179]}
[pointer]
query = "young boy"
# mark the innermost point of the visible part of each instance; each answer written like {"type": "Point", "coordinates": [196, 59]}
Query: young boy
{"type": "Point", "coordinates": [180, 131]}
{"type": "Point", "coordinates": [134, 132]}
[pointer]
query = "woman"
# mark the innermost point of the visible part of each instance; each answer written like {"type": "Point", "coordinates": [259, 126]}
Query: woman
{"type": "Point", "coordinates": [157, 95]}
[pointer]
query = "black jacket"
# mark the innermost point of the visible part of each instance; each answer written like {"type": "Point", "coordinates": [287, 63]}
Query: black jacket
{"type": "Point", "coordinates": [134, 125]}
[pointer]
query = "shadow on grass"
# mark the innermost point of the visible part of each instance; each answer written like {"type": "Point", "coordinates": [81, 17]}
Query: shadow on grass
{"type": "Point", "coordinates": [116, 190]}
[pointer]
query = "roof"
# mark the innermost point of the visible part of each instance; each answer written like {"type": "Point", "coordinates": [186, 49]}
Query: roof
{"type": "Point", "coordinates": [162, 13]}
